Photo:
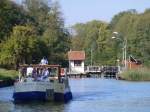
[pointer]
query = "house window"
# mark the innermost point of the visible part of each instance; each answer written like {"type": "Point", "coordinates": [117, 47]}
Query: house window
{"type": "Point", "coordinates": [77, 63]}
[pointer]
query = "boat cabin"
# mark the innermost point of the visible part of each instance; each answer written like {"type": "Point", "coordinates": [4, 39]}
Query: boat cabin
{"type": "Point", "coordinates": [39, 72]}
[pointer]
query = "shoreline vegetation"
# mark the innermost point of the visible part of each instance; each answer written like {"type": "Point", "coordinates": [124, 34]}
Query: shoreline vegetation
{"type": "Point", "coordinates": [7, 77]}
{"type": "Point", "coordinates": [140, 74]}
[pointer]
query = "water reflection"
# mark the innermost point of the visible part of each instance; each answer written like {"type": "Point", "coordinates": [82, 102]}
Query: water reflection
{"type": "Point", "coordinates": [39, 107]}
{"type": "Point", "coordinates": [89, 95]}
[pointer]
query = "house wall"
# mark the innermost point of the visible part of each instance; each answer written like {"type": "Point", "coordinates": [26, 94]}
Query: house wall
{"type": "Point", "coordinates": [131, 65]}
{"type": "Point", "coordinates": [76, 69]}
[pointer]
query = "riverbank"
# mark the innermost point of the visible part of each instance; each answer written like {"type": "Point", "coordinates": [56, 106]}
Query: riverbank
{"type": "Point", "coordinates": [7, 77]}
{"type": "Point", "coordinates": [140, 74]}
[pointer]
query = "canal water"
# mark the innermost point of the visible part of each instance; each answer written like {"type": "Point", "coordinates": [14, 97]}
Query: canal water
{"type": "Point", "coordinates": [89, 95]}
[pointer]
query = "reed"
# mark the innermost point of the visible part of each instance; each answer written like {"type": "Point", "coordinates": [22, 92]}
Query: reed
{"type": "Point", "coordinates": [140, 74]}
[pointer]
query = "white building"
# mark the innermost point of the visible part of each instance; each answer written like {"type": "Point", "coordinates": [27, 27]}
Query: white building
{"type": "Point", "coordinates": [76, 62]}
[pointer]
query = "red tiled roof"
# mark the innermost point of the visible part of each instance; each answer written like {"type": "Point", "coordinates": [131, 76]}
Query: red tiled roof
{"type": "Point", "coordinates": [76, 55]}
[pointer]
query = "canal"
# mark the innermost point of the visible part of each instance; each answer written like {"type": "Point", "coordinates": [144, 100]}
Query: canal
{"type": "Point", "coordinates": [90, 95]}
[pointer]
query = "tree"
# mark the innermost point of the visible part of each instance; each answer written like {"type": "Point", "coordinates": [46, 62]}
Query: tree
{"type": "Point", "coordinates": [11, 14]}
{"type": "Point", "coordinates": [126, 31]}
{"type": "Point", "coordinates": [92, 37]}
{"type": "Point", "coordinates": [118, 16]}
{"type": "Point", "coordinates": [19, 48]}
{"type": "Point", "coordinates": [56, 37]}
{"type": "Point", "coordinates": [31, 31]}
{"type": "Point", "coordinates": [39, 11]}
{"type": "Point", "coordinates": [78, 39]}
{"type": "Point", "coordinates": [142, 39]}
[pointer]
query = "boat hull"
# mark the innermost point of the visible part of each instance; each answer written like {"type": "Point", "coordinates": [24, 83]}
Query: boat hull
{"type": "Point", "coordinates": [28, 91]}
{"type": "Point", "coordinates": [41, 91]}
{"type": "Point", "coordinates": [65, 97]}
{"type": "Point", "coordinates": [41, 96]}
{"type": "Point", "coordinates": [29, 96]}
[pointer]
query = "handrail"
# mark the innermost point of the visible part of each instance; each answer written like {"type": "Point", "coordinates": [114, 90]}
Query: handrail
{"type": "Point", "coordinates": [40, 65]}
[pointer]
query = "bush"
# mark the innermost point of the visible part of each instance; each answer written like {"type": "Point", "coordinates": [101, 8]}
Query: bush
{"type": "Point", "coordinates": [141, 74]}
{"type": "Point", "coordinates": [8, 74]}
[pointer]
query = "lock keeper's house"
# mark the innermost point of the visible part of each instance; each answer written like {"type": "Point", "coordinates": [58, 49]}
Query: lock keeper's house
{"type": "Point", "coordinates": [76, 62]}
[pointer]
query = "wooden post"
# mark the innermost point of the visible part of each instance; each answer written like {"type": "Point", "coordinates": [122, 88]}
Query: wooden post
{"type": "Point", "coordinates": [59, 74]}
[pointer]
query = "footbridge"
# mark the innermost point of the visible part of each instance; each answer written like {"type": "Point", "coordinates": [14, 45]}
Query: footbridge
{"type": "Point", "coordinates": [97, 71]}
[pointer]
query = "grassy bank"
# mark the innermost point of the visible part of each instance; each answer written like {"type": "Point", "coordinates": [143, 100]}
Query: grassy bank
{"type": "Point", "coordinates": [7, 77]}
{"type": "Point", "coordinates": [141, 74]}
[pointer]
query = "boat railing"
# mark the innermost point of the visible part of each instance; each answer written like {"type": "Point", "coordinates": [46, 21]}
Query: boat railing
{"type": "Point", "coordinates": [40, 72]}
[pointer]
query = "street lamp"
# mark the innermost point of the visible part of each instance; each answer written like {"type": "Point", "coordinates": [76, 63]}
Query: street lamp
{"type": "Point", "coordinates": [124, 50]}
{"type": "Point", "coordinates": [113, 37]}
{"type": "Point", "coordinates": [115, 32]}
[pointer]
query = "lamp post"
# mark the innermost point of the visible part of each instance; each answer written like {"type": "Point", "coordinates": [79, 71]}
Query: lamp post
{"type": "Point", "coordinates": [91, 56]}
{"type": "Point", "coordinates": [118, 65]}
{"type": "Point", "coordinates": [92, 49]}
{"type": "Point", "coordinates": [124, 49]}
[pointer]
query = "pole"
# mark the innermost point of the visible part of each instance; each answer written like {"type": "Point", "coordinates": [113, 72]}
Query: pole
{"type": "Point", "coordinates": [118, 65]}
{"type": "Point", "coordinates": [91, 56]}
{"type": "Point", "coordinates": [125, 48]}
{"type": "Point", "coordinates": [130, 62]}
{"type": "Point", "coordinates": [123, 56]}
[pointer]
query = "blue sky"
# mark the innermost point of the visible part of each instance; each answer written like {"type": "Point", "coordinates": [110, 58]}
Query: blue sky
{"type": "Point", "coordinates": [81, 11]}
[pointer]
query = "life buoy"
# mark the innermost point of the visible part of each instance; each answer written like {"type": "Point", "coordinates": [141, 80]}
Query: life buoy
{"type": "Point", "coordinates": [62, 72]}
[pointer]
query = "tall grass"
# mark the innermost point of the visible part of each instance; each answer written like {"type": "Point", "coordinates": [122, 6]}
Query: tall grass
{"type": "Point", "coordinates": [140, 74]}
{"type": "Point", "coordinates": [8, 74]}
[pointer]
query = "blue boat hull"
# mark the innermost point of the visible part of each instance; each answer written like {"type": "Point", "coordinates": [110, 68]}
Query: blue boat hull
{"type": "Point", "coordinates": [29, 96]}
{"type": "Point", "coordinates": [58, 97]}
{"type": "Point", "coordinates": [40, 96]}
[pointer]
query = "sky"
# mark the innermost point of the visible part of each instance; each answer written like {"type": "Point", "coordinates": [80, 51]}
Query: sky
{"type": "Point", "coordinates": [82, 11]}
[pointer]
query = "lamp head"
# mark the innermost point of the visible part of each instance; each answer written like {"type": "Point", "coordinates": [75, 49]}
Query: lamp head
{"type": "Point", "coordinates": [115, 32]}
{"type": "Point", "coordinates": [113, 37]}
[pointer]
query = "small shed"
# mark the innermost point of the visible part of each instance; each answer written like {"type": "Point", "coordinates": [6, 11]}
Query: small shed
{"type": "Point", "coordinates": [133, 63]}
{"type": "Point", "coordinates": [76, 62]}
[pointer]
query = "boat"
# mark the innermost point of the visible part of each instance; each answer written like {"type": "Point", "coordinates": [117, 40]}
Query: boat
{"type": "Point", "coordinates": [36, 87]}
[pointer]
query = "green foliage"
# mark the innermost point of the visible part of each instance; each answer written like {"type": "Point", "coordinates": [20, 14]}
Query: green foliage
{"type": "Point", "coordinates": [35, 29]}
{"type": "Point", "coordinates": [20, 46]}
{"type": "Point", "coordinates": [119, 16]}
{"type": "Point", "coordinates": [39, 11]}
{"type": "Point", "coordinates": [79, 38]}
{"type": "Point", "coordinates": [8, 74]}
{"type": "Point", "coordinates": [135, 28]}
{"type": "Point", "coordinates": [141, 74]}
{"type": "Point", "coordinates": [93, 37]}
{"type": "Point", "coordinates": [56, 38]}
{"type": "Point", "coordinates": [142, 27]}
{"type": "Point", "coordinates": [11, 14]}
{"type": "Point", "coordinates": [96, 35]}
